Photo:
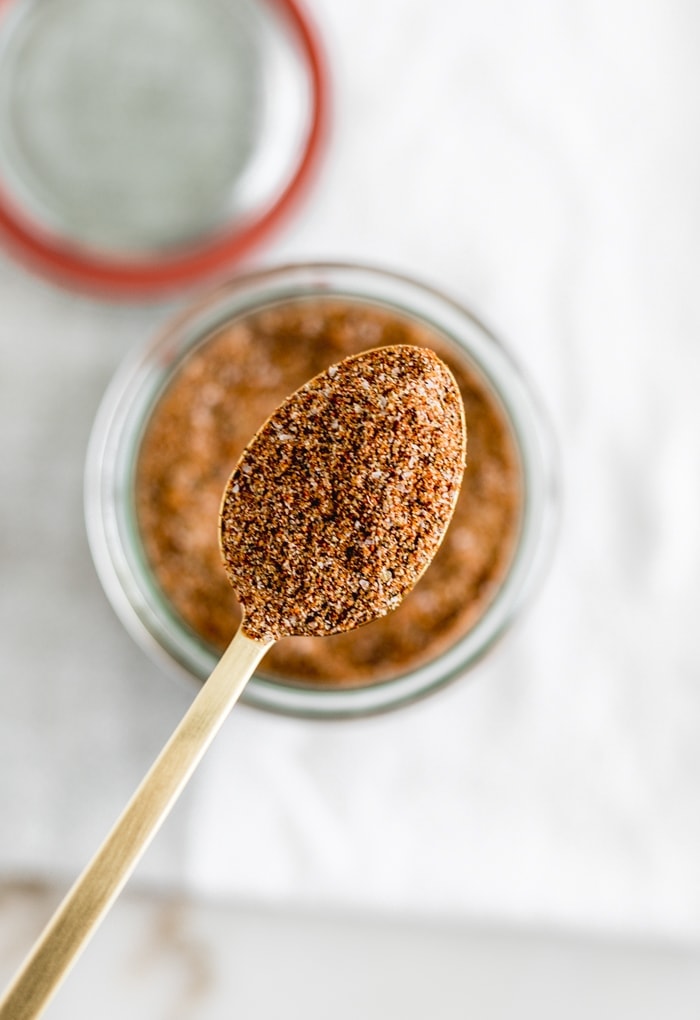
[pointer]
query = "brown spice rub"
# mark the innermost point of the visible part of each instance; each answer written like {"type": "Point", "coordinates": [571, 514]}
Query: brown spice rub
{"type": "Point", "coordinates": [342, 498]}
{"type": "Point", "coordinates": [218, 398]}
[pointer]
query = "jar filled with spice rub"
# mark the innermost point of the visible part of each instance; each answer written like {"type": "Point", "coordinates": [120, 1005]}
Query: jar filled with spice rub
{"type": "Point", "coordinates": [176, 418]}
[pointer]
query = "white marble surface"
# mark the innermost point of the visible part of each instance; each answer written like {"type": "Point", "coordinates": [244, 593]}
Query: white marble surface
{"type": "Point", "coordinates": [171, 958]}
{"type": "Point", "coordinates": [540, 162]}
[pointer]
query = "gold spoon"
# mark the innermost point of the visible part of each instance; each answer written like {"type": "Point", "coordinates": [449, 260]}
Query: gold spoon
{"type": "Point", "coordinates": [332, 514]}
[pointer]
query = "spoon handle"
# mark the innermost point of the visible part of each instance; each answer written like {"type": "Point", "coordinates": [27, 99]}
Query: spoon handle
{"type": "Point", "coordinates": [104, 877]}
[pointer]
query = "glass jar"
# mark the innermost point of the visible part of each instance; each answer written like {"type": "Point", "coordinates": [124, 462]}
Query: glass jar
{"type": "Point", "coordinates": [129, 401]}
{"type": "Point", "coordinates": [146, 147]}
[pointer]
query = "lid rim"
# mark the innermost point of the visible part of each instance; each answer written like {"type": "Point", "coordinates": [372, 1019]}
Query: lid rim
{"type": "Point", "coordinates": [63, 262]}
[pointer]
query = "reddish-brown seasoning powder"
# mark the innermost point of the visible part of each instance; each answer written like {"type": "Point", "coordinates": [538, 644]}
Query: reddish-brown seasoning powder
{"type": "Point", "coordinates": [342, 498]}
{"type": "Point", "coordinates": [221, 394]}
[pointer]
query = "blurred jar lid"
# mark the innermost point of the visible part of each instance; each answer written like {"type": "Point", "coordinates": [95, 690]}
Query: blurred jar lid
{"type": "Point", "coordinates": [149, 144]}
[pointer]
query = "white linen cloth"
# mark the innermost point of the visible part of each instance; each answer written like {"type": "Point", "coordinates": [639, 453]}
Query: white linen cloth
{"type": "Point", "coordinates": [541, 163]}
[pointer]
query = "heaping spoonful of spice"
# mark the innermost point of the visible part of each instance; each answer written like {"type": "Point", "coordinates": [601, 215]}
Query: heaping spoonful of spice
{"type": "Point", "coordinates": [335, 509]}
